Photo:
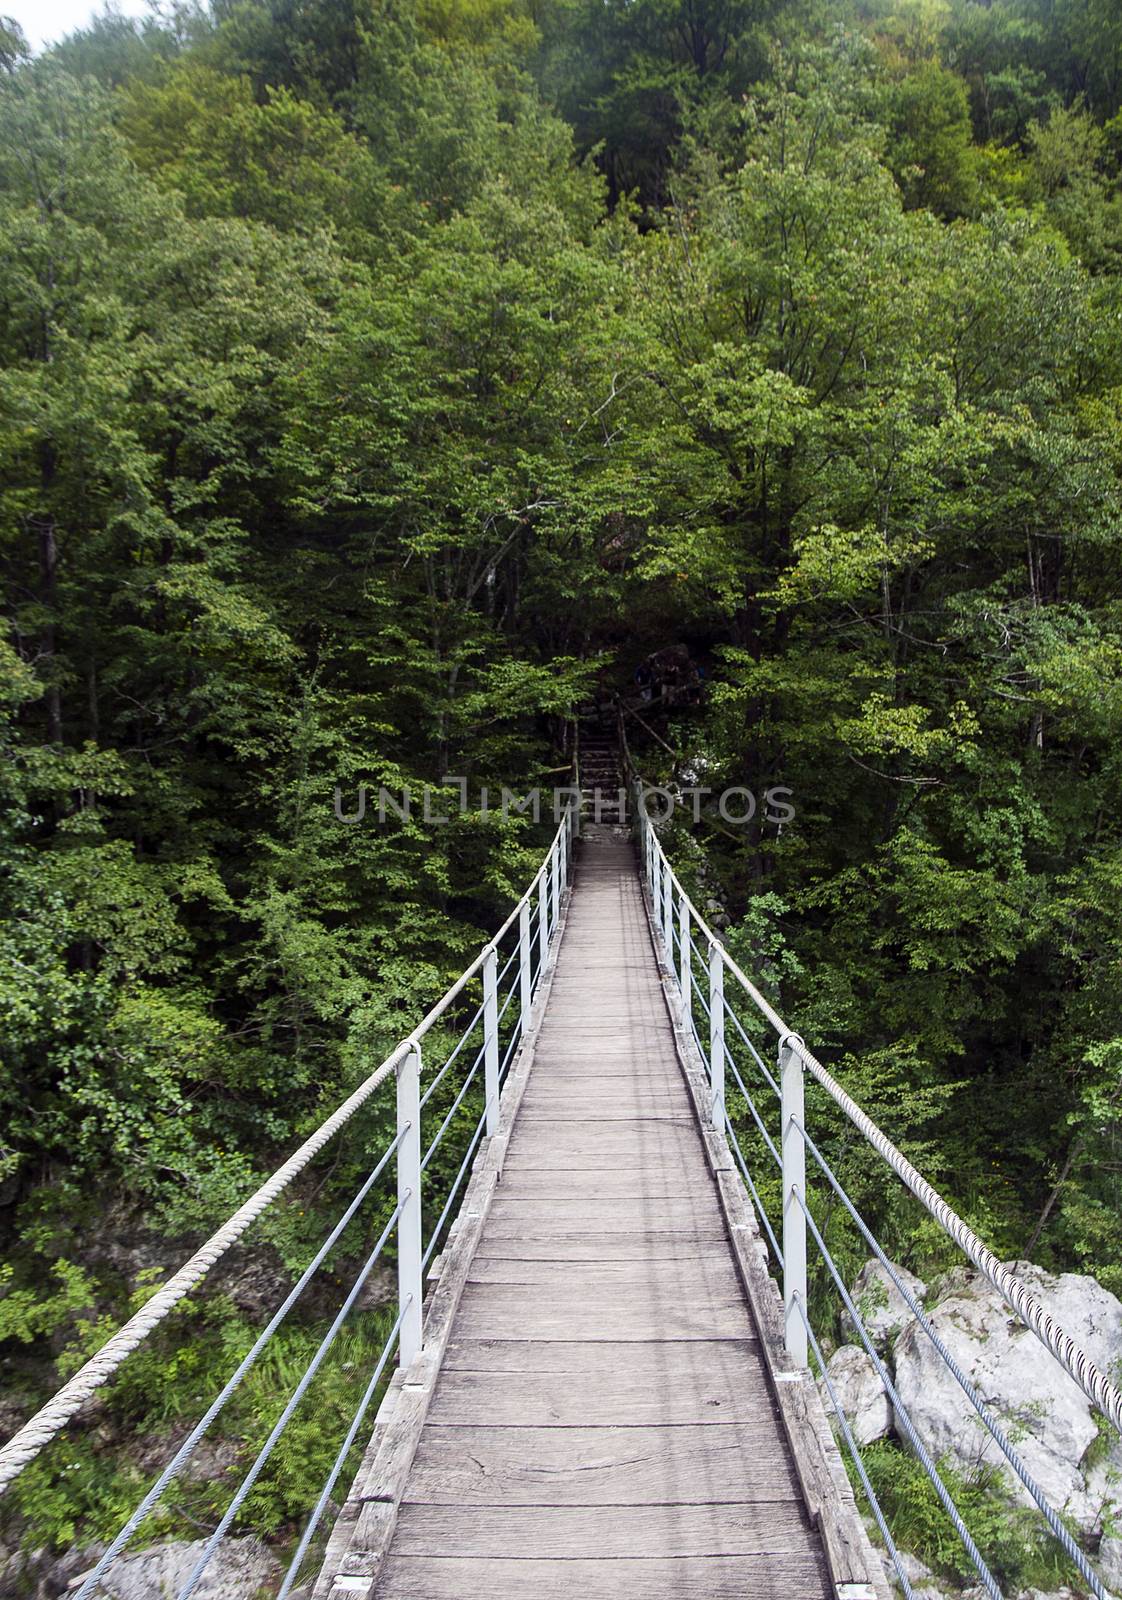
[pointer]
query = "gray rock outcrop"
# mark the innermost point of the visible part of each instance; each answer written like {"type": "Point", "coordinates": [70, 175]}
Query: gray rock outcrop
{"type": "Point", "coordinates": [240, 1569]}
{"type": "Point", "coordinates": [1044, 1412]}
{"type": "Point", "coordinates": [860, 1393]}
{"type": "Point", "coordinates": [883, 1309]}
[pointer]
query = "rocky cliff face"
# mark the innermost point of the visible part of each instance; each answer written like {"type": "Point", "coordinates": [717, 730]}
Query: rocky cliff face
{"type": "Point", "coordinates": [1074, 1457]}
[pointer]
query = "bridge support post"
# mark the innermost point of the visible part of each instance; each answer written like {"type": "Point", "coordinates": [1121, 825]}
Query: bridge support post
{"type": "Point", "coordinates": [684, 965]}
{"type": "Point", "coordinates": [717, 1036]}
{"type": "Point", "coordinates": [525, 976]}
{"type": "Point", "coordinates": [409, 1243]}
{"type": "Point", "coordinates": [794, 1189]}
{"type": "Point", "coordinates": [491, 1038]}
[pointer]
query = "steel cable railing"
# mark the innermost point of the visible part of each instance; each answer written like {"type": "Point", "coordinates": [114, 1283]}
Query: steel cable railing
{"type": "Point", "coordinates": [757, 1057]}
{"type": "Point", "coordinates": [900, 1411]}
{"type": "Point", "coordinates": [676, 920]}
{"type": "Point", "coordinates": [856, 1457]}
{"type": "Point", "coordinates": [434, 1237]}
{"type": "Point", "coordinates": [191, 1443]}
{"type": "Point", "coordinates": [435, 1082]}
{"type": "Point", "coordinates": [530, 930]}
{"type": "Point", "coordinates": [746, 1174]}
{"type": "Point", "coordinates": [316, 1517]}
{"type": "Point", "coordinates": [1051, 1516]}
{"type": "Point", "coordinates": [250, 1478]}
{"type": "Point", "coordinates": [769, 1142]}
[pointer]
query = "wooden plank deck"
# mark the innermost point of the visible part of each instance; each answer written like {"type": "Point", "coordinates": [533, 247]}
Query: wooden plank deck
{"type": "Point", "coordinates": [602, 1424]}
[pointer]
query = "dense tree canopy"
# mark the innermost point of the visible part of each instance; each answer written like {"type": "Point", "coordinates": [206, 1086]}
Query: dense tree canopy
{"type": "Point", "coordinates": [375, 378]}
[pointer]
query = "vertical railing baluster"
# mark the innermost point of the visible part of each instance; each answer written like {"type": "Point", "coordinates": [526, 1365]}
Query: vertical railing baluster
{"type": "Point", "coordinates": [717, 1036]}
{"type": "Point", "coordinates": [491, 1038]}
{"type": "Point", "coordinates": [555, 867]}
{"type": "Point", "coordinates": [684, 967]}
{"type": "Point", "coordinates": [793, 1152]}
{"type": "Point", "coordinates": [410, 1248]}
{"type": "Point", "coordinates": [525, 973]}
{"type": "Point", "coordinates": [668, 916]}
{"type": "Point", "coordinates": [543, 919]}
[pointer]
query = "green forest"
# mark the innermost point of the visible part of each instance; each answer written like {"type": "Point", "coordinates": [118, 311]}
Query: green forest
{"type": "Point", "coordinates": [381, 380]}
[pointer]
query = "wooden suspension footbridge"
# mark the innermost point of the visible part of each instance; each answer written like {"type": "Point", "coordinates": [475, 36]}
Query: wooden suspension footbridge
{"type": "Point", "coordinates": [607, 1366]}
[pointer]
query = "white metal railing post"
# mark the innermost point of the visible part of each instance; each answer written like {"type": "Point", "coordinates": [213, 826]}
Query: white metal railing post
{"type": "Point", "coordinates": [668, 916]}
{"type": "Point", "coordinates": [793, 1151]}
{"type": "Point", "coordinates": [543, 917]}
{"type": "Point", "coordinates": [491, 1038]}
{"type": "Point", "coordinates": [555, 867]}
{"type": "Point", "coordinates": [525, 974]}
{"type": "Point", "coordinates": [717, 1035]}
{"type": "Point", "coordinates": [684, 967]}
{"type": "Point", "coordinates": [410, 1247]}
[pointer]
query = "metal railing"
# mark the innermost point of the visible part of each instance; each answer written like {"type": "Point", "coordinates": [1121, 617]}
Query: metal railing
{"type": "Point", "coordinates": [711, 991]}
{"type": "Point", "coordinates": [506, 975]}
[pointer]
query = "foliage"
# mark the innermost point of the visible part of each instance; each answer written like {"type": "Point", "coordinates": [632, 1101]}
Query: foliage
{"type": "Point", "coordinates": [1012, 1539]}
{"type": "Point", "coordinates": [376, 380]}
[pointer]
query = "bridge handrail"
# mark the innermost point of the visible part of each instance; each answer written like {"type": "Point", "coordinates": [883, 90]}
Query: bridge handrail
{"type": "Point", "coordinates": [546, 886]}
{"type": "Point", "coordinates": [676, 916]}
{"type": "Point", "coordinates": [1090, 1378]}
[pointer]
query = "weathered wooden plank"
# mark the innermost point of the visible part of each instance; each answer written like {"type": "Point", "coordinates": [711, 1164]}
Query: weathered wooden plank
{"type": "Point", "coordinates": [658, 1361]}
{"type": "Point", "coordinates": [589, 1084]}
{"type": "Point", "coordinates": [622, 1037]}
{"type": "Point", "coordinates": [565, 1147]}
{"type": "Point", "coordinates": [604, 1183]}
{"type": "Point", "coordinates": [753, 1577]}
{"type": "Point", "coordinates": [583, 1245]}
{"type": "Point", "coordinates": [492, 1311]}
{"type": "Point", "coordinates": [568, 1215]}
{"type": "Point", "coordinates": [578, 1110]}
{"type": "Point", "coordinates": [686, 1275]}
{"type": "Point", "coordinates": [614, 1393]}
{"type": "Point", "coordinates": [587, 1144]}
{"type": "Point", "coordinates": [546, 1155]}
{"type": "Point", "coordinates": [691, 1464]}
{"type": "Point", "coordinates": [606, 1532]}
{"type": "Point", "coordinates": [516, 1246]}
{"type": "Point", "coordinates": [573, 1067]}
{"type": "Point", "coordinates": [594, 1096]}
{"type": "Point", "coordinates": [627, 1037]}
